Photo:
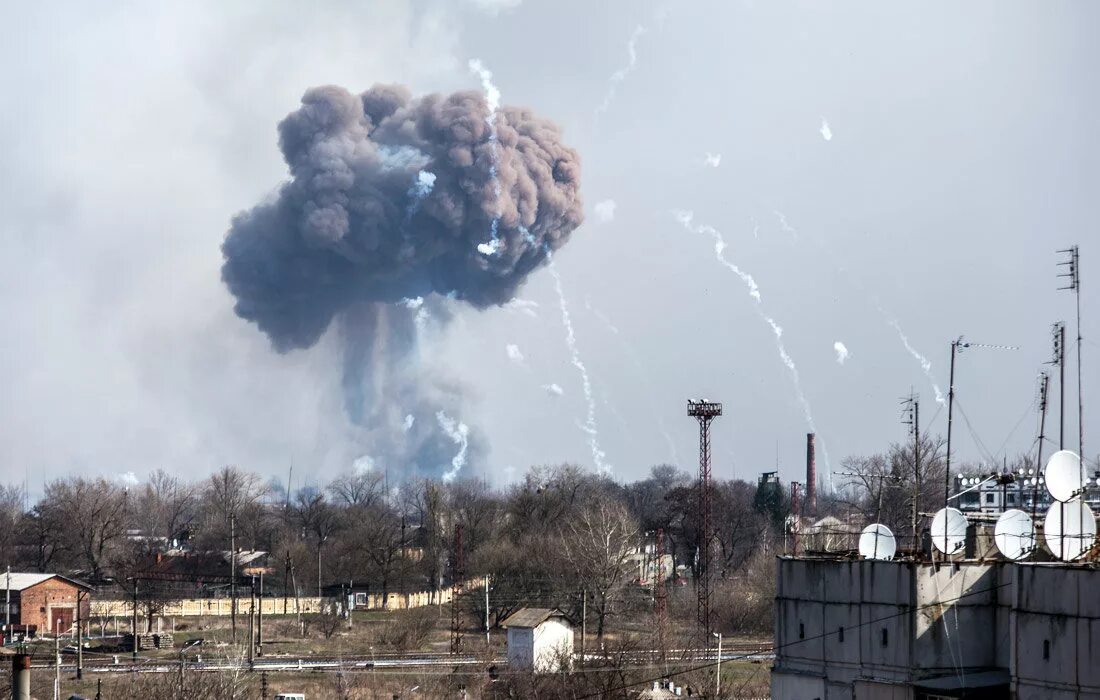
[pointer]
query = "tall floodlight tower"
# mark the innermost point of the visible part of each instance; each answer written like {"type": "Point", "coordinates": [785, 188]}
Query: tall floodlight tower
{"type": "Point", "coordinates": [704, 411]}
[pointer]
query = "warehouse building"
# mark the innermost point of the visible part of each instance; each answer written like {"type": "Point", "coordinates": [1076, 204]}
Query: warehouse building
{"type": "Point", "coordinates": [43, 603]}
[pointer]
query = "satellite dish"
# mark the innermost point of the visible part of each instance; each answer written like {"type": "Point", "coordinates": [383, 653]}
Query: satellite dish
{"type": "Point", "coordinates": [877, 542]}
{"type": "Point", "coordinates": [1014, 534]}
{"type": "Point", "coordinates": [949, 530]}
{"type": "Point", "coordinates": [1070, 529]}
{"type": "Point", "coordinates": [1064, 476]}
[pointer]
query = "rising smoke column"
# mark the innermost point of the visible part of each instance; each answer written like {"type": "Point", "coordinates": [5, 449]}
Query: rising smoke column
{"type": "Point", "coordinates": [377, 231]}
{"type": "Point", "coordinates": [686, 220]}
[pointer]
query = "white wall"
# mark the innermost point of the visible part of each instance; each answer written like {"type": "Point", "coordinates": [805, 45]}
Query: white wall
{"type": "Point", "coordinates": [553, 645]}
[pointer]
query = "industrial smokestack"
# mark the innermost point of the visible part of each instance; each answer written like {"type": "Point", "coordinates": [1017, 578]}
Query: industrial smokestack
{"type": "Point", "coordinates": [811, 477]}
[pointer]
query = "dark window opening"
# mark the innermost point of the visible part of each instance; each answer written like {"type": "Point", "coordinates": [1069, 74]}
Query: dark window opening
{"type": "Point", "coordinates": [885, 637]}
{"type": "Point", "coordinates": [801, 631]}
{"type": "Point", "coordinates": [840, 634]}
{"type": "Point", "coordinates": [1046, 650]}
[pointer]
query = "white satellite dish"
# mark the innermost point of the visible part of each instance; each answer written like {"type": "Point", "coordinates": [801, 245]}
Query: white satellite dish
{"type": "Point", "coordinates": [1064, 476]}
{"type": "Point", "coordinates": [1014, 534]}
{"type": "Point", "coordinates": [949, 530]}
{"type": "Point", "coordinates": [1070, 529]}
{"type": "Point", "coordinates": [877, 542]}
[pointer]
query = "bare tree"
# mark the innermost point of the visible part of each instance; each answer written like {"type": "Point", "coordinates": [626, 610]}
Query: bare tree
{"type": "Point", "coordinates": [598, 543]}
{"type": "Point", "coordinates": [361, 488]}
{"type": "Point", "coordinates": [166, 506]}
{"type": "Point", "coordinates": [95, 515]}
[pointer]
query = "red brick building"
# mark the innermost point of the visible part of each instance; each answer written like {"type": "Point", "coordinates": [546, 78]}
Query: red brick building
{"type": "Point", "coordinates": [46, 601]}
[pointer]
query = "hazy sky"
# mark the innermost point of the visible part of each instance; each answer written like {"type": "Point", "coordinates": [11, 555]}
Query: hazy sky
{"type": "Point", "coordinates": [864, 162]}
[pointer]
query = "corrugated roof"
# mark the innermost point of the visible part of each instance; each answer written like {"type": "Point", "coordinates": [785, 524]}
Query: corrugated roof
{"type": "Point", "coordinates": [21, 582]}
{"type": "Point", "coordinates": [530, 617]}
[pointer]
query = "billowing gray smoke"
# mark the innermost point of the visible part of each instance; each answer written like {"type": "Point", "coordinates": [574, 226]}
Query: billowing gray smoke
{"type": "Point", "coordinates": [388, 200]}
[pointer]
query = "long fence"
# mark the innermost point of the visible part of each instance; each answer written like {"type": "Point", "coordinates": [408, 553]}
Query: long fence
{"type": "Point", "coordinates": [202, 607]}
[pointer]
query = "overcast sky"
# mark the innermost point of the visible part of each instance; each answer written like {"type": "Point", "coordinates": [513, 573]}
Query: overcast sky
{"type": "Point", "coordinates": [864, 163]}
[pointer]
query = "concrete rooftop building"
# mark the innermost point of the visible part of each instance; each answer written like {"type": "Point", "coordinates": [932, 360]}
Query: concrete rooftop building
{"type": "Point", "coordinates": [863, 629]}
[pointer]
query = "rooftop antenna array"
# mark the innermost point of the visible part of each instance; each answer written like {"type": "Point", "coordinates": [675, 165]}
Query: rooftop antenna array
{"type": "Point", "coordinates": [704, 411]}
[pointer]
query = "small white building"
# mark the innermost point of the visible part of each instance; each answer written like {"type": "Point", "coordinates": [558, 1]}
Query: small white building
{"type": "Point", "coordinates": [539, 640]}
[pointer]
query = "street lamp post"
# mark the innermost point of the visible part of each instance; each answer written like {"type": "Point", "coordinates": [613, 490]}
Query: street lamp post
{"type": "Point", "coordinates": [718, 673]}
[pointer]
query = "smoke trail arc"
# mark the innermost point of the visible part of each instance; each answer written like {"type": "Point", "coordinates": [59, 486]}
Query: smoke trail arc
{"type": "Point", "coordinates": [686, 219]}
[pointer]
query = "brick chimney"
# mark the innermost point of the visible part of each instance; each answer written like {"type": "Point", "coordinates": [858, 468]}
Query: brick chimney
{"type": "Point", "coordinates": [811, 477]}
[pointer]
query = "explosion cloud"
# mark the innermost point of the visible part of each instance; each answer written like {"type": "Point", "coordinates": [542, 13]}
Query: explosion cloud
{"type": "Point", "coordinates": [378, 229]}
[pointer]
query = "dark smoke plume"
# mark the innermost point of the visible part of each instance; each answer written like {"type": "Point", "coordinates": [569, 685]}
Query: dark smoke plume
{"type": "Point", "coordinates": [388, 199]}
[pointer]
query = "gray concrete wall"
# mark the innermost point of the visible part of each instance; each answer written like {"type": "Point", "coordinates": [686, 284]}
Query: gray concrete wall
{"type": "Point", "coordinates": [1056, 614]}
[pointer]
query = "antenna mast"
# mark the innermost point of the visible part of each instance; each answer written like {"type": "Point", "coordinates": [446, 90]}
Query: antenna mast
{"type": "Point", "coordinates": [1073, 262]}
{"type": "Point", "coordinates": [911, 417]}
{"type": "Point", "coordinates": [1044, 384]}
{"type": "Point", "coordinates": [704, 411]}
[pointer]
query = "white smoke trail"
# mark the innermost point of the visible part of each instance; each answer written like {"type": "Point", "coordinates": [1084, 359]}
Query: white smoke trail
{"type": "Point", "coordinates": [925, 364]}
{"type": "Point", "coordinates": [553, 389]}
{"type": "Point", "coordinates": [642, 375]}
{"type": "Point", "coordinates": [783, 223]}
{"type": "Point", "coordinates": [620, 75]}
{"type": "Point", "coordinates": [713, 159]}
{"type": "Point", "coordinates": [571, 342]}
{"type": "Point", "coordinates": [686, 220]}
{"type": "Point", "coordinates": [408, 424]}
{"type": "Point", "coordinates": [492, 99]}
{"type": "Point", "coordinates": [459, 433]}
{"type": "Point", "coordinates": [826, 132]}
{"type": "Point", "coordinates": [841, 352]}
{"type": "Point", "coordinates": [514, 353]}
{"type": "Point", "coordinates": [523, 306]}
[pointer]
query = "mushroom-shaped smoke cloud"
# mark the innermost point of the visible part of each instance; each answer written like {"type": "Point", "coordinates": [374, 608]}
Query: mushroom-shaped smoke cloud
{"type": "Point", "coordinates": [388, 199]}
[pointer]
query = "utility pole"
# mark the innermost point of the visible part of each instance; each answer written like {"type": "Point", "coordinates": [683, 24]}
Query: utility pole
{"type": "Point", "coordinates": [233, 574]}
{"type": "Point", "coordinates": [135, 629]}
{"type": "Point", "coordinates": [251, 622]}
{"type": "Point", "coordinates": [57, 661]}
{"type": "Point", "coordinates": [486, 611]}
{"type": "Point", "coordinates": [704, 411]}
{"type": "Point", "coordinates": [584, 622]}
{"type": "Point", "coordinates": [260, 619]}
{"type": "Point", "coordinates": [7, 605]}
{"type": "Point", "coordinates": [661, 596]}
{"type": "Point", "coordinates": [79, 637]}
{"type": "Point", "coordinates": [911, 417]}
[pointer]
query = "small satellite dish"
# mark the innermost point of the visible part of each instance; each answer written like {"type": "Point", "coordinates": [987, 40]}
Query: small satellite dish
{"type": "Point", "coordinates": [877, 542]}
{"type": "Point", "coordinates": [1014, 534]}
{"type": "Point", "coordinates": [949, 530]}
{"type": "Point", "coordinates": [1070, 529]}
{"type": "Point", "coordinates": [1064, 476]}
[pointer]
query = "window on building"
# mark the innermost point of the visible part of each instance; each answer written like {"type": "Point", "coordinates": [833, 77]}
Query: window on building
{"type": "Point", "coordinates": [1046, 650]}
{"type": "Point", "coordinates": [1011, 499]}
{"type": "Point", "coordinates": [885, 636]}
{"type": "Point", "coordinates": [801, 631]}
{"type": "Point", "coordinates": [989, 497]}
{"type": "Point", "coordinates": [840, 634]}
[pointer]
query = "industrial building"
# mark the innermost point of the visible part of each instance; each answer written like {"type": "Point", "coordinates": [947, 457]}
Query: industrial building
{"type": "Point", "coordinates": [42, 603]}
{"type": "Point", "coordinates": [921, 630]}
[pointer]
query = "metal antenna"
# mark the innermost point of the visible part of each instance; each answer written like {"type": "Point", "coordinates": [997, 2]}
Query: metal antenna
{"type": "Point", "coordinates": [957, 346]}
{"type": "Point", "coordinates": [1073, 273]}
{"type": "Point", "coordinates": [704, 411]}
{"type": "Point", "coordinates": [1058, 336]}
{"type": "Point", "coordinates": [911, 416]}
{"type": "Point", "coordinates": [1044, 385]}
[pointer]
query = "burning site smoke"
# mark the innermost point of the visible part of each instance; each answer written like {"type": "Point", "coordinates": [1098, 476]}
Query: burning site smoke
{"type": "Point", "coordinates": [377, 231]}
